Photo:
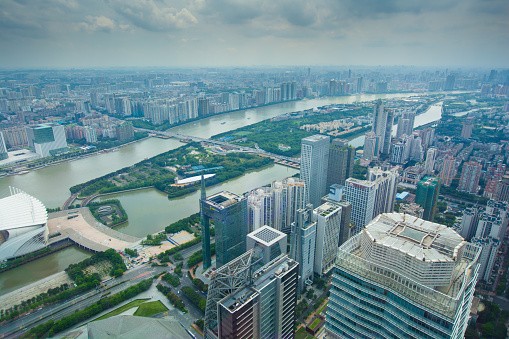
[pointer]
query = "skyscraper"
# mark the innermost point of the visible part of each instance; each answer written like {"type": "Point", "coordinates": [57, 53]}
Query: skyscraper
{"type": "Point", "coordinates": [251, 298]}
{"type": "Point", "coordinates": [429, 166]}
{"type": "Point", "coordinates": [502, 190]}
{"type": "Point", "coordinates": [335, 197]}
{"type": "Point", "coordinates": [205, 228]}
{"type": "Point", "coordinates": [3, 148]}
{"type": "Point", "coordinates": [328, 225]}
{"type": "Point", "coordinates": [402, 277]}
{"type": "Point", "coordinates": [449, 170]}
{"type": "Point", "coordinates": [470, 175]}
{"type": "Point", "coordinates": [260, 208]}
{"type": "Point", "coordinates": [313, 167]}
{"type": "Point", "coordinates": [341, 160]}
{"type": "Point", "coordinates": [371, 146]}
{"type": "Point", "coordinates": [289, 197]}
{"type": "Point", "coordinates": [427, 193]}
{"type": "Point", "coordinates": [383, 120]}
{"type": "Point", "coordinates": [302, 248]}
{"type": "Point", "coordinates": [449, 82]}
{"type": "Point", "coordinates": [229, 212]}
{"type": "Point", "coordinates": [370, 198]}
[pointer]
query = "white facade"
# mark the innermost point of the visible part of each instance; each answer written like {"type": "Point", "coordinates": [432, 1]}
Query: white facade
{"type": "Point", "coordinates": [23, 227]}
{"type": "Point", "coordinates": [328, 225]}
{"type": "Point", "coordinates": [313, 167]}
{"type": "Point", "coordinates": [302, 249]}
{"type": "Point", "coordinates": [46, 139]}
{"type": "Point", "coordinates": [429, 166]}
{"type": "Point", "coordinates": [488, 255]}
{"type": "Point", "coordinates": [90, 134]}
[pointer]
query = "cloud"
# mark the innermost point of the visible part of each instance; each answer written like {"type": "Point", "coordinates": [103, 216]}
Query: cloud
{"type": "Point", "coordinates": [154, 16]}
{"type": "Point", "coordinates": [100, 23]}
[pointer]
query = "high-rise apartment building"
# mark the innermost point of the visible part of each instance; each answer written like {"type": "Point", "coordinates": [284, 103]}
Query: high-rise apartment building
{"type": "Point", "coordinates": [449, 82]}
{"type": "Point", "coordinates": [46, 139]}
{"type": "Point", "coordinates": [90, 134]}
{"type": "Point", "coordinates": [468, 126]}
{"type": "Point", "coordinates": [313, 167]}
{"type": "Point", "coordinates": [429, 165]}
{"type": "Point", "coordinates": [335, 197]}
{"type": "Point", "coordinates": [427, 193]}
{"type": "Point", "coordinates": [405, 124]}
{"type": "Point", "coordinates": [402, 277]}
{"type": "Point", "coordinates": [383, 120]}
{"type": "Point", "coordinates": [289, 197]}
{"type": "Point", "coordinates": [370, 198]}
{"type": "Point", "coordinates": [341, 160]}
{"type": "Point", "coordinates": [449, 170]}
{"type": "Point", "coordinates": [328, 225]}
{"type": "Point", "coordinates": [489, 250]}
{"type": "Point", "coordinates": [302, 245]}
{"type": "Point", "coordinates": [470, 176]}
{"type": "Point", "coordinates": [229, 212]}
{"type": "Point", "coordinates": [502, 190]}
{"type": "Point", "coordinates": [260, 208]}
{"type": "Point", "coordinates": [251, 298]}
{"type": "Point", "coordinates": [372, 146]}
{"type": "Point", "coordinates": [124, 131]}
{"type": "Point", "coordinates": [469, 222]}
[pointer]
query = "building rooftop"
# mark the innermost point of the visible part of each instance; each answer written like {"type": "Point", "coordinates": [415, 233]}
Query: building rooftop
{"type": "Point", "coordinates": [267, 235]}
{"type": "Point", "coordinates": [223, 199]}
{"type": "Point", "coordinates": [326, 209]}
{"type": "Point", "coordinates": [316, 137]}
{"type": "Point", "coordinates": [21, 210]}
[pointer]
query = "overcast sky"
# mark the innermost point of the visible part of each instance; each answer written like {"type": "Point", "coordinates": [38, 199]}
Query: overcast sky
{"type": "Point", "coordinates": [105, 33]}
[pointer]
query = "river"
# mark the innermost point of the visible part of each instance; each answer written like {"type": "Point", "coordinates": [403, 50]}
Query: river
{"type": "Point", "coordinates": [149, 210]}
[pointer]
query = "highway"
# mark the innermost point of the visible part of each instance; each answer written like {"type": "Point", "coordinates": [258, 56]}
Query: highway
{"type": "Point", "coordinates": [256, 150]}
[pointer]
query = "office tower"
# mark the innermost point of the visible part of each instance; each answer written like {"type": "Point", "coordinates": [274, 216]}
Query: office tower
{"type": "Point", "coordinates": [449, 82]}
{"type": "Point", "coordinates": [205, 227]}
{"type": "Point", "coordinates": [124, 131]}
{"type": "Point", "coordinates": [3, 148]}
{"type": "Point", "coordinates": [427, 193]}
{"type": "Point", "coordinates": [328, 225]}
{"type": "Point", "coordinates": [468, 125]}
{"type": "Point", "coordinates": [341, 160]}
{"type": "Point", "coordinates": [335, 196]}
{"type": "Point", "coordinates": [470, 176]}
{"type": "Point", "coordinates": [314, 161]}
{"type": "Point", "coordinates": [46, 139]}
{"type": "Point", "coordinates": [383, 120]}
{"type": "Point", "coordinates": [405, 124]}
{"type": "Point", "coordinates": [489, 249]}
{"type": "Point", "coordinates": [302, 245]}
{"type": "Point", "coordinates": [229, 212]}
{"type": "Point", "coordinates": [371, 146]}
{"type": "Point", "coordinates": [502, 190]}
{"type": "Point", "coordinates": [260, 208]}
{"type": "Point", "coordinates": [469, 222]}
{"type": "Point", "coordinates": [449, 170]}
{"type": "Point", "coordinates": [359, 85]}
{"type": "Point", "coordinates": [267, 242]}
{"type": "Point", "coordinates": [370, 198]}
{"type": "Point", "coordinates": [402, 277]}
{"type": "Point", "coordinates": [289, 196]}
{"type": "Point", "coordinates": [398, 153]}
{"type": "Point", "coordinates": [429, 165]}
{"type": "Point", "coordinates": [251, 298]}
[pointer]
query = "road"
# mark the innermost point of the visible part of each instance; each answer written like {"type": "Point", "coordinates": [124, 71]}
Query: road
{"type": "Point", "coordinates": [59, 310]}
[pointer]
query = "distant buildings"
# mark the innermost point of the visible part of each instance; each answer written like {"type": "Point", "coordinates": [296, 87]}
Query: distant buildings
{"type": "Point", "coordinates": [468, 125]}
{"type": "Point", "coordinates": [401, 270]}
{"type": "Point", "coordinates": [3, 148]}
{"type": "Point", "coordinates": [427, 193]}
{"type": "Point", "coordinates": [372, 144]}
{"type": "Point", "coordinates": [313, 167]}
{"type": "Point", "coordinates": [449, 170]}
{"type": "Point", "coordinates": [124, 131]}
{"type": "Point", "coordinates": [23, 225]}
{"type": "Point", "coordinates": [46, 139]}
{"type": "Point", "coordinates": [429, 165]}
{"type": "Point", "coordinates": [405, 124]}
{"type": "Point", "coordinates": [383, 120]}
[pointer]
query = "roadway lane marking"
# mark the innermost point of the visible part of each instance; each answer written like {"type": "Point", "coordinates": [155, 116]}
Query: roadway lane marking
{"type": "Point", "coordinates": [141, 275]}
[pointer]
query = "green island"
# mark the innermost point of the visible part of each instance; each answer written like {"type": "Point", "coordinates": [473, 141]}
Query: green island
{"type": "Point", "coordinates": [122, 309]}
{"type": "Point", "coordinates": [269, 134]}
{"type": "Point", "coordinates": [160, 171]}
{"type": "Point", "coordinates": [109, 212]}
{"type": "Point", "coordinates": [150, 308]}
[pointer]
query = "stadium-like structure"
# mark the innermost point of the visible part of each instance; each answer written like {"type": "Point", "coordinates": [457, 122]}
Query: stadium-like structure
{"type": "Point", "coordinates": [23, 225]}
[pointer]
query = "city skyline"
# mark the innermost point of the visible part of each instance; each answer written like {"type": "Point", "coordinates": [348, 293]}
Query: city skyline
{"type": "Point", "coordinates": [149, 33]}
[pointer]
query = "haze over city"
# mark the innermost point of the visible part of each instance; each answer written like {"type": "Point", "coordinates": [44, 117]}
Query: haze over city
{"type": "Point", "coordinates": [197, 33]}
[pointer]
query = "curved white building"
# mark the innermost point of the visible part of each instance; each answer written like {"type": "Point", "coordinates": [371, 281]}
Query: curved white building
{"type": "Point", "coordinates": [23, 225]}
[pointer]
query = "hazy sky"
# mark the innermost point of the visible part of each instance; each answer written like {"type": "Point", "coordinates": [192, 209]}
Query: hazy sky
{"type": "Point", "coordinates": [104, 33]}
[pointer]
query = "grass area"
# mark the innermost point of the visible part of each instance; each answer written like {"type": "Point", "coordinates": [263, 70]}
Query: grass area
{"type": "Point", "coordinates": [150, 308]}
{"type": "Point", "coordinates": [242, 133]}
{"type": "Point", "coordinates": [315, 323]}
{"type": "Point", "coordinates": [134, 303]}
{"type": "Point", "coordinates": [323, 308]}
{"type": "Point", "coordinates": [302, 334]}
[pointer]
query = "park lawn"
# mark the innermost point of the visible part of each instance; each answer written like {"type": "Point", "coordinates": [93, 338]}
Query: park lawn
{"type": "Point", "coordinates": [241, 133]}
{"type": "Point", "coordinates": [150, 308]}
{"type": "Point", "coordinates": [134, 303]}
{"type": "Point", "coordinates": [302, 334]}
{"type": "Point", "coordinates": [315, 323]}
